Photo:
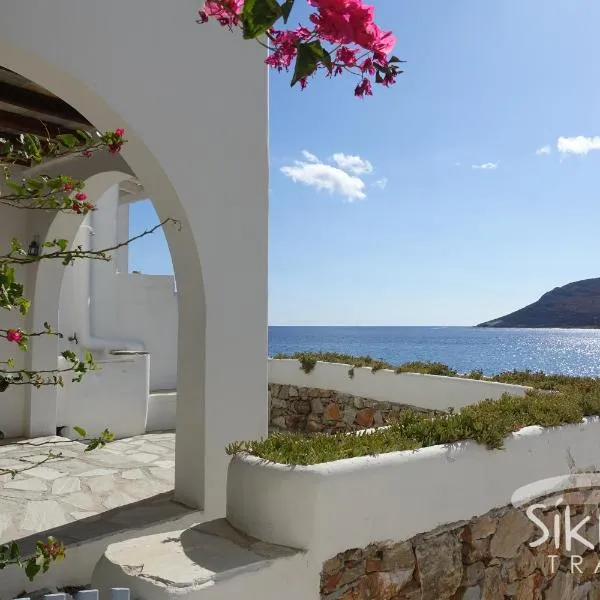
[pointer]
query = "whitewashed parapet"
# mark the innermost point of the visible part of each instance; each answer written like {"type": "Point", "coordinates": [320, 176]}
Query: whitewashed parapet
{"type": "Point", "coordinates": [330, 507]}
{"type": "Point", "coordinates": [431, 392]}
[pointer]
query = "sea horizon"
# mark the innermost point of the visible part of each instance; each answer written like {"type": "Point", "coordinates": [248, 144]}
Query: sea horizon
{"type": "Point", "coordinates": [462, 347]}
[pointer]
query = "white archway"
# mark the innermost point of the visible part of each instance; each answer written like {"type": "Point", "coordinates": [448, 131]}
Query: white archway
{"type": "Point", "coordinates": [197, 131]}
{"type": "Point", "coordinates": [47, 278]}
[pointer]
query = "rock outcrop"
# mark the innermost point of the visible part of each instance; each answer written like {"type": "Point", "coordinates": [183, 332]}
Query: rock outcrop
{"type": "Point", "coordinates": [575, 305]}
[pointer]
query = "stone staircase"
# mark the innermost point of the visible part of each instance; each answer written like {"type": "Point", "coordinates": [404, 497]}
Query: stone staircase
{"type": "Point", "coordinates": [211, 561]}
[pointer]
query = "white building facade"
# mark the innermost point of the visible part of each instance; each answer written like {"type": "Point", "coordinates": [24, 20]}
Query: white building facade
{"type": "Point", "coordinates": [193, 102]}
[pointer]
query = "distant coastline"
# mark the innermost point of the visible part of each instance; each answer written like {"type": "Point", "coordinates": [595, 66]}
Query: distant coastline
{"type": "Point", "coordinates": [572, 306]}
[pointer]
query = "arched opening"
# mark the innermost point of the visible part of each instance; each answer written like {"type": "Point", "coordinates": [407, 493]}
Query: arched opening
{"type": "Point", "coordinates": [197, 141]}
{"type": "Point", "coordinates": [45, 283]}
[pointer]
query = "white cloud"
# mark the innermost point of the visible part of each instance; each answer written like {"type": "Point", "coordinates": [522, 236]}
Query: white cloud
{"type": "Point", "coordinates": [352, 164]}
{"type": "Point", "coordinates": [577, 145]}
{"type": "Point", "coordinates": [543, 150]}
{"type": "Point", "coordinates": [485, 166]}
{"type": "Point", "coordinates": [380, 183]}
{"type": "Point", "coordinates": [326, 177]}
{"type": "Point", "coordinates": [309, 156]}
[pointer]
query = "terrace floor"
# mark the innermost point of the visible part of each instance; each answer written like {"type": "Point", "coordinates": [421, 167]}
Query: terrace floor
{"type": "Point", "coordinates": [85, 494]}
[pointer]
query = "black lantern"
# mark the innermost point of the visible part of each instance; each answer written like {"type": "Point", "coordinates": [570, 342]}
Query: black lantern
{"type": "Point", "coordinates": [34, 248]}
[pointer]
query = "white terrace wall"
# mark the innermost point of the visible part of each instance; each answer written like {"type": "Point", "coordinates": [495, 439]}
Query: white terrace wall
{"type": "Point", "coordinates": [299, 401]}
{"type": "Point", "coordinates": [431, 392]}
{"type": "Point", "coordinates": [133, 306]}
{"type": "Point", "coordinates": [338, 510]}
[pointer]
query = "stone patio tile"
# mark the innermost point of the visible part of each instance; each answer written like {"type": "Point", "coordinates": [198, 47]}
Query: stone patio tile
{"type": "Point", "coordinates": [164, 474]}
{"type": "Point", "coordinates": [116, 499]}
{"type": "Point", "coordinates": [42, 515]}
{"type": "Point", "coordinates": [43, 472]}
{"type": "Point", "coordinates": [65, 485]}
{"type": "Point", "coordinates": [133, 474]}
{"type": "Point", "coordinates": [78, 515]}
{"type": "Point", "coordinates": [27, 485]}
{"type": "Point", "coordinates": [154, 449]}
{"type": "Point", "coordinates": [97, 472]}
{"type": "Point", "coordinates": [144, 457]}
{"type": "Point", "coordinates": [76, 490]}
{"type": "Point", "coordinates": [79, 500]}
{"type": "Point", "coordinates": [101, 485]}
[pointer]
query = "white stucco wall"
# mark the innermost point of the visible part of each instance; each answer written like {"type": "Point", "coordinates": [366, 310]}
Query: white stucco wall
{"type": "Point", "coordinates": [114, 397]}
{"type": "Point", "coordinates": [193, 101]}
{"type": "Point", "coordinates": [334, 506]}
{"type": "Point", "coordinates": [427, 391]}
{"type": "Point", "coordinates": [147, 311]}
{"type": "Point", "coordinates": [12, 402]}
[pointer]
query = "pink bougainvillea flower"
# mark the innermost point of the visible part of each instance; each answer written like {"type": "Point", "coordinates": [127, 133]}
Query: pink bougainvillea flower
{"type": "Point", "coordinates": [68, 187]}
{"type": "Point", "coordinates": [115, 148]}
{"type": "Point", "coordinates": [87, 153]}
{"type": "Point", "coordinates": [119, 132]}
{"type": "Point", "coordinates": [14, 335]}
{"type": "Point", "coordinates": [81, 196]}
{"type": "Point", "coordinates": [226, 12]}
{"type": "Point", "coordinates": [343, 37]}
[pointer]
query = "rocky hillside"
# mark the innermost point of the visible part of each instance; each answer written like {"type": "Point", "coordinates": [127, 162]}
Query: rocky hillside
{"type": "Point", "coordinates": [575, 305]}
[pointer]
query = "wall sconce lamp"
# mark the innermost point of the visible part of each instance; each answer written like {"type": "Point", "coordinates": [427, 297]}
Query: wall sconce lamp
{"type": "Point", "coordinates": [34, 247]}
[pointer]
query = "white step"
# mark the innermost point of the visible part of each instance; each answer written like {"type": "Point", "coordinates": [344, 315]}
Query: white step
{"type": "Point", "coordinates": [211, 561]}
{"type": "Point", "coordinates": [162, 407]}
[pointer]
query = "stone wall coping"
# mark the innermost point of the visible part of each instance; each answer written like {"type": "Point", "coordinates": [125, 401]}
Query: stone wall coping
{"type": "Point", "coordinates": [330, 507]}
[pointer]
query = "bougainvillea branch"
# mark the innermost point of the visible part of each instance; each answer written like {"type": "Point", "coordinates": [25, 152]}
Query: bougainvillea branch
{"type": "Point", "coordinates": [342, 37]}
{"type": "Point", "coordinates": [57, 194]}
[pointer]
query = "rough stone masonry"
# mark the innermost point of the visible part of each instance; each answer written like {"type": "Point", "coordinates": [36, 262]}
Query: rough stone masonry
{"type": "Point", "coordinates": [312, 410]}
{"type": "Point", "coordinates": [487, 558]}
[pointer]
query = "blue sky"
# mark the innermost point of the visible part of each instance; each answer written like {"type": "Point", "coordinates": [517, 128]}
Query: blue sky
{"type": "Point", "coordinates": [436, 240]}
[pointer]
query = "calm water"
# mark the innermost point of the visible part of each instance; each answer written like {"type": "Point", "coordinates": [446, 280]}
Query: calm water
{"type": "Point", "coordinates": [567, 351]}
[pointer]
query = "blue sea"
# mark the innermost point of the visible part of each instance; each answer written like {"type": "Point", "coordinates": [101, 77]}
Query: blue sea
{"type": "Point", "coordinates": [566, 351]}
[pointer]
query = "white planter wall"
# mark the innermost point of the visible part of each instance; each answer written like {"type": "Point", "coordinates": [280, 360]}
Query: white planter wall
{"type": "Point", "coordinates": [330, 507]}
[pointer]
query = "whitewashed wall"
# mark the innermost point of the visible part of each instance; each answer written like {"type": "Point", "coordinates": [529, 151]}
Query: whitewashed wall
{"type": "Point", "coordinates": [114, 397]}
{"type": "Point", "coordinates": [330, 507]}
{"type": "Point", "coordinates": [13, 224]}
{"type": "Point", "coordinates": [135, 307]}
{"type": "Point", "coordinates": [432, 392]}
{"type": "Point", "coordinates": [148, 312]}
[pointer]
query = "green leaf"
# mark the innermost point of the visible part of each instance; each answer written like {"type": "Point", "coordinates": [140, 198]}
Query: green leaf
{"type": "Point", "coordinates": [15, 551]}
{"type": "Point", "coordinates": [84, 135]}
{"type": "Point", "coordinates": [68, 140]}
{"type": "Point", "coordinates": [80, 431]}
{"type": "Point", "coordinates": [32, 569]}
{"type": "Point", "coordinates": [258, 16]}
{"type": "Point", "coordinates": [308, 59]}
{"type": "Point", "coordinates": [286, 9]}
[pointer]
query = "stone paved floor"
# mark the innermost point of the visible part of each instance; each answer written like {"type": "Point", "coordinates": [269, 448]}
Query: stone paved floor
{"type": "Point", "coordinates": [79, 485]}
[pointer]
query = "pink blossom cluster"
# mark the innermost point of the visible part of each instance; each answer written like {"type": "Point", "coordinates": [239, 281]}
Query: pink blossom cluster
{"type": "Point", "coordinates": [226, 12]}
{"type": "Point", "coordinates": [356, 43]}
{"type": "Point", "coordinates": [80, 206]}
{"type": "Point", "coordinates": [14, 335]}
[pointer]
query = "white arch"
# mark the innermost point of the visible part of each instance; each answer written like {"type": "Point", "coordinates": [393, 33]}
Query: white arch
{"type": "Point", "coordinates": [197, 130]}
{"type": "Point", "coordinates": [45, 295]}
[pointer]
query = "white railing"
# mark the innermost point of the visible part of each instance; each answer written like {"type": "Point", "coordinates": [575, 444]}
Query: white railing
{"type": "Point", "coordinates": [115, 594]}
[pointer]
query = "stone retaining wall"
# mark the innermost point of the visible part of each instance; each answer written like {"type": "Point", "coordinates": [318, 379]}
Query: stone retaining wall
{"type": "Point", "coordinates": [488, 558]}
{"type": "Point", "coordinates": [311, 410]}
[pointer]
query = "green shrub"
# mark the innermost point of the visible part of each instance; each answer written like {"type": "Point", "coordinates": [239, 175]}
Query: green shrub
{"type": "Point", "coordinates": [487, 423]}
{"type": "Point", "coordinates": [308, 361]}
